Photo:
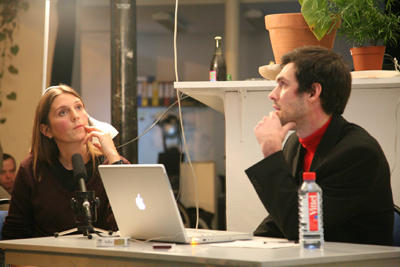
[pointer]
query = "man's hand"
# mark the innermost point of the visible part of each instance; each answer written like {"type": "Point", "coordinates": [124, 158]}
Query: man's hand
{"type": "Point", "coordinates": [270, 133]}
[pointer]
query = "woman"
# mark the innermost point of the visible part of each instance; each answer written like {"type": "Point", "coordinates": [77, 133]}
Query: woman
{"type": "Point", "coordinates": [45, 184]}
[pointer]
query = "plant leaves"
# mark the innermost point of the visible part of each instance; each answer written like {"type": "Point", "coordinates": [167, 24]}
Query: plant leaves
{"type": "Point", "coordinates": [317, 17]}
{"type": "Point", "coordinates": [12, 96]}
{"type": "Point", "coordinates": [2, 36]}
{"type": "Point", "coordinates": [12, 69]}
{"type": "Point", "coordinates": [25, 6]}
{"type": "Point", "coordinates": [3, 120]}
{"type": "Point", "coordinates": [14, 49]}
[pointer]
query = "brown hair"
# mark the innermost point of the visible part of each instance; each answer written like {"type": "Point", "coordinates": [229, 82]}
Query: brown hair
{"type": "Point", "coordinates": [45, 150]}
{"type": "Point", "coordinates": [316, 64]}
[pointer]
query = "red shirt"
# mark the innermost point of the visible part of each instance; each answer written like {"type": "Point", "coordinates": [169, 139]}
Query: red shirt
{"type": "Point", "coordinates": [310, 143]}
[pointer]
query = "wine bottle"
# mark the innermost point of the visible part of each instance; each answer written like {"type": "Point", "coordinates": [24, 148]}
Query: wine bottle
{"type": "Point", "coordinates": [218, 65]}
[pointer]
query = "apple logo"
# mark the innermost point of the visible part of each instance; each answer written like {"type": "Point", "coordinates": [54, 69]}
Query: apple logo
{"type": "Point", "coordinates": [140, 203]}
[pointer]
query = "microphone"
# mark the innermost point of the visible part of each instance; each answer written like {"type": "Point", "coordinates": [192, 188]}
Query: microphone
{"type": "Point", "coordinates": [80, 175]}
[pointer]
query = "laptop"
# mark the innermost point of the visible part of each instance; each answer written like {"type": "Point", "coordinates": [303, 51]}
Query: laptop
{"type": "Point", "coordinates": [145, 208]}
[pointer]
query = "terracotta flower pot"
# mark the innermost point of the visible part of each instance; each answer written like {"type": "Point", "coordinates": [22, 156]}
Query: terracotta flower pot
{"type": "Point", "coordinates": [368, 57]}
{"type": "Point", "coordinates": [288, 31]}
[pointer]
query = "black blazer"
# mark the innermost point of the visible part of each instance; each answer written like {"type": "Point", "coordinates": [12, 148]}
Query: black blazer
{"type": "Point", "coordinates": [354, 175]}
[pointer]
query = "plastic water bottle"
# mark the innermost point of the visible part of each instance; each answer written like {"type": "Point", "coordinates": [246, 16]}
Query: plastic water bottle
{"type": "Point", "coordinates": [311, 230]}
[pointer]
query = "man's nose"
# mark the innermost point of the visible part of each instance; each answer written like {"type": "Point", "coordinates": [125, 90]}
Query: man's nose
{"type": "Point", "coordinates": [272, 95]}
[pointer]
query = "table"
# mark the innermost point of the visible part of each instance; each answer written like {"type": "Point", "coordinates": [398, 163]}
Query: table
{"type": "Point", "coordinates": [80, 251]}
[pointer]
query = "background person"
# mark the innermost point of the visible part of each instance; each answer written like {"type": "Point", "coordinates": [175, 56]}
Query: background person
{"type": "Point", "coordinates": [45, 184]}
{"type": "Point", "coordinates": [7, 175]}
{"type": "Point", "coordinates": [351, 168]}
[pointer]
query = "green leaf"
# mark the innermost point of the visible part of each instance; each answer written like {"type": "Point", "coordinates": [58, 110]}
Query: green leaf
{"type": "Point", "coordinates": [12, 96]}
{"type": "Point", "coordinates": [12, 69]}
{"type": "Point", "coordinates": [318, 18]}
{"type": "Point", "coordinates": [2, 36]}
{"type": "Point", "coordinates": [14, 49]}
{"type": "Point", "coordinates": [25, 6]}
{"type": "Point", "coordinates": [3, 120]}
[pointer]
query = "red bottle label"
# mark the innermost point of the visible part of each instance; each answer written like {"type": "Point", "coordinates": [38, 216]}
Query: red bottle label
{"type": "Point", "coordinates": [313, 211]}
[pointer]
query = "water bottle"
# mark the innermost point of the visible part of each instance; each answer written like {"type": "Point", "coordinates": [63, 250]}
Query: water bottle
{"type": "Point", "coordinates": [218, 65]}
{"type": "Point", "coordinates": [311, 230]}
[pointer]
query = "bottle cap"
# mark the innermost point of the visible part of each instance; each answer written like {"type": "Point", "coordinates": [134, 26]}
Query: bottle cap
{"type": "Point", "coordinates": [217, 38]}
{"type": "Point", "coordinates": [309, 176]}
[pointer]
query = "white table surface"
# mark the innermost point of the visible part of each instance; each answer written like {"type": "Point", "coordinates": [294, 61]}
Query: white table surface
{"type": "Point", "coordinates": [80, 251]}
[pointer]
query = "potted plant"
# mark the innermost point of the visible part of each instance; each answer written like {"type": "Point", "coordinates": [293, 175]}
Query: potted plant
{"type": "Point", "coordinates": [315, 25]}
{"type": "Point", "coordinates": [368, 25]}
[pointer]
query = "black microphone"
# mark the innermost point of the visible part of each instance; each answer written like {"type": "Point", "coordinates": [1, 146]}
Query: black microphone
{"type": "Point", "coordinates": [80, 175]}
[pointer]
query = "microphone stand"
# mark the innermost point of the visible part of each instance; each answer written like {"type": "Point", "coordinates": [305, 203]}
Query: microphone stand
{"type": "Point", "coordinates": [85, 203]}
{"type": "Point", "coordinates": [85, 206]}
{"type": "Point", "coordinates": [84, 211]}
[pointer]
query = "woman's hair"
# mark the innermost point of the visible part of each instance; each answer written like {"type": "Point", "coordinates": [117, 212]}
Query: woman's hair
{"type": "Point", "coordinates": [45, 150]}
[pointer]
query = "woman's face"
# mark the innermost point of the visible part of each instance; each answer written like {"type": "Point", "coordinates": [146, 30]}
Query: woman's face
{"type": "Point", "coordinates": [66, 118]}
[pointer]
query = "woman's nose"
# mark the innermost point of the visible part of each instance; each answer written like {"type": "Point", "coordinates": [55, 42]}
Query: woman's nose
{"type": "Point", "coordinates": [74, 115]}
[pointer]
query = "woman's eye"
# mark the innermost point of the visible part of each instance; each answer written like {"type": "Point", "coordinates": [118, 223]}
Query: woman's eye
{"type": "Point", "coordinates": [62, 112]}
{"type": "Point", "coordinates": [79, 107]}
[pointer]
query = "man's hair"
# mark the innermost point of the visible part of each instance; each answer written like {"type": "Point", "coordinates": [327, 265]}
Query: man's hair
{"type": "Point", "coordinates": [315, 64]}
{"type": "Point", "coordinates": [8, 156]}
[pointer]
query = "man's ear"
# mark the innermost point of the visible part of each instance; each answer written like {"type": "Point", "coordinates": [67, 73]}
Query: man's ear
{"type": "Point", "coordinates": [45, 130]}
{"type": "Point", "coordinates": [316, 90]}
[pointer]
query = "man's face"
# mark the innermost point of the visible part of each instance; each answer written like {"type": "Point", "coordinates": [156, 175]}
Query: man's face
{"type": "Point", "coordinates": [289, 105]}
{"type": "Point", "coordinates": [7, 175]}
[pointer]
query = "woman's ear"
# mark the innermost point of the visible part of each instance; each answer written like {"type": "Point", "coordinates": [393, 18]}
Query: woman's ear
{"type": "Point", "coordinates": [45, 130]}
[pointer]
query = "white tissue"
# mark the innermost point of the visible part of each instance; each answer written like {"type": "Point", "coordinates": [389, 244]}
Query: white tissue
{"type": "Point", "coordinates": [103, 126]}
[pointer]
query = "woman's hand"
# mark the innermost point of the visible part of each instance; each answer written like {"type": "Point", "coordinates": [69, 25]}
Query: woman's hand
{"type": "Point", "coordinates": [105, 144]}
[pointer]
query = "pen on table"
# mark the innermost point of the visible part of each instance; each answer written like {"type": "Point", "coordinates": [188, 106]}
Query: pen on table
{"type": "Point", "coordinates": [279, 242]}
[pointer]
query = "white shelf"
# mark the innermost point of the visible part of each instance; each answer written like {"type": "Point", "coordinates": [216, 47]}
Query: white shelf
{"type": "Point", "coordinates": [212, 93]}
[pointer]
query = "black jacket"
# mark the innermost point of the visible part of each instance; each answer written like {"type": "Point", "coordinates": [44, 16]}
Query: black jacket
{"type": "Point", "coordinates": [354, 175]}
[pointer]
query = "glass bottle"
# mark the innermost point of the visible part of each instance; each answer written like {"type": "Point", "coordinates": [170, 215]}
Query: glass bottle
{"type": "Point", "coordinates": [218, 65]}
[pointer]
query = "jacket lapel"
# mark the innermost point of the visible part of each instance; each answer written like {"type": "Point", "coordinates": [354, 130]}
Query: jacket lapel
{"type": "Point", "coordinates": [328, 141]}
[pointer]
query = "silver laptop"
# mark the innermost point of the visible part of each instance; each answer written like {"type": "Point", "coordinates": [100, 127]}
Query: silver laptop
{"type": "Point", "coordinates": [145, 208]}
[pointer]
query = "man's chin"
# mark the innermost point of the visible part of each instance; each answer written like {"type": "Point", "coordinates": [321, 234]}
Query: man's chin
{"type": "Point", "coordinates": [283, 120]}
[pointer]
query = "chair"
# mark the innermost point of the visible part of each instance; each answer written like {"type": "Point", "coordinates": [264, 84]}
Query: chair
{"type": "Point", "coordinates": [396, 228]}
{"type": "Point", "coordinates": [3, 213]}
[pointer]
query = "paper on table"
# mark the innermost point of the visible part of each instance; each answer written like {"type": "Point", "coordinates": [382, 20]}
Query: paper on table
{"type": "Point", "coordinates": [258, 243]}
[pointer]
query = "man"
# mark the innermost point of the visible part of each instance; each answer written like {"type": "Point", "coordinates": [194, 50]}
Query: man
{"type": "Point", "coordinates": [351, 168]}
{"type": "Point", "coordinates": [7, 175]}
